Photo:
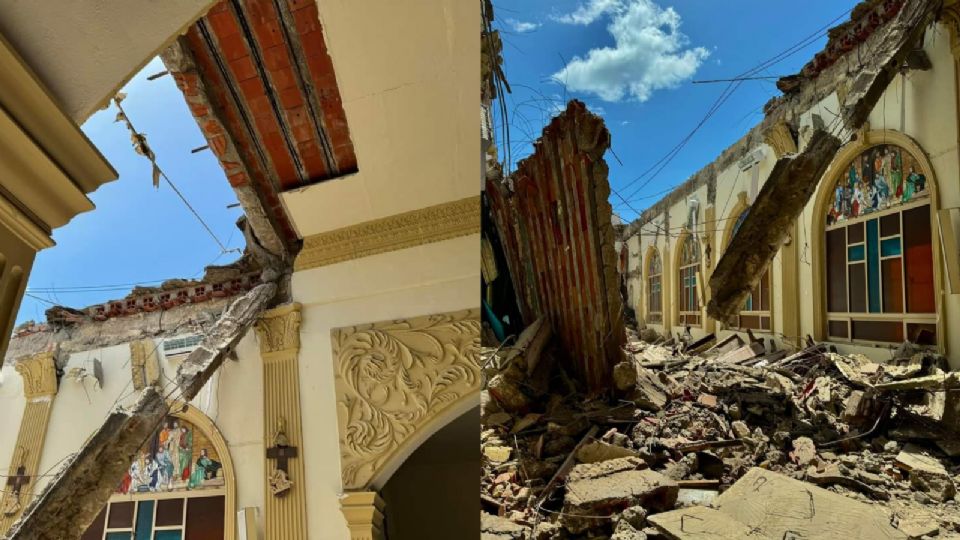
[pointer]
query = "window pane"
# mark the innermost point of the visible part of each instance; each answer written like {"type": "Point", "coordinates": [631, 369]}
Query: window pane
{"type": "Point", "coordinates": [837, 329]}
{"type": "Point", "coordinates": [890, 225]}
{"type": "Point", "coordinates": [873, 265]}
{"type": "Point", "coordinates": [750, 321]}
{"type": "Point", "coordinates": [918, 265]}
{"type": "Point", "coordinates": [764, 323]}
{"type": "Point", "coordinates": [890, 247]}
{"type": "Point", "coordinates": [144, 520]}
{"type": "Point", "coordinates": [855, 253]}
{"type": "Point", "coordinates": [836, 270]}
{"type": "Point", "coordinates": [858, 289]}
{"type": "Point", "coordinates": [892, 286]}
{"type": "Point", "coordinates": [765, 291]}
{"type": "Point", "coordinates": [922, 334]}
{"type": "Point", "coordinates": [169, 512]}
{"type": "Point", "coordinates": [95, 531]}
{"type": "Point", "coordinates": [855, 233]}
{"type": "Point", "coordinates": [170, 535]}
{"type": "Point", "coordinates": [204, 518]}
{"type": "Point", "coordinates": [891, 331]}
{"type": "Point", "coordinates": [121, 515]}
{"type": "Point", "coordinates": [118, 536]}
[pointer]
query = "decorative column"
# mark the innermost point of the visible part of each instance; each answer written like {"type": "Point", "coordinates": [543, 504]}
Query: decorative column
{"type": "Point", "coordinates": [278, 331]}
{"type": "Point", "coordinates": [39, 388]}
{"type": "Point", "coordinates": [363, 511]}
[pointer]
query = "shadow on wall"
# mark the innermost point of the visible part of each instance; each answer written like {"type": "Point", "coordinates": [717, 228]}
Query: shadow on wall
{"type": "Point", "coordinates": [433, 495]}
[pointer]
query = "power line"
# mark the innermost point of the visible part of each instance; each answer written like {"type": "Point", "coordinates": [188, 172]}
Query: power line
{"type": "Point", "coordinates": [731, 87]}
{"type": "Point", "coordinates": [141, 147]}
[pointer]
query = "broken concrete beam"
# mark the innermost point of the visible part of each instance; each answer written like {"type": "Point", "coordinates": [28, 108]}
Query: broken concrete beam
{"type": "Point", "coordinates": [526, 351]}
{"type": "Point", "coordinates": [79, 492]}
{"type": "Point", "coordinates": [602, 489]}
{"type": "Point", "coordinates": [695, 346]}
{"type": "Point", "coordinates": [557, 231]}
{"type": "Point", "coordinates": [778, 506]}
{"type": "Point", "coordinates": [596, 451]}
{"type": "Point", "coordinates": [73, 499]}
{"type": "Point", "coordinates": [767, 227]}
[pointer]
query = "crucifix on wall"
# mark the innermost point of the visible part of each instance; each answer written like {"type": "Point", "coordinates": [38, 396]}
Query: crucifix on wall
{"type": "Point", "coordinates": [281, 452]}
{"type": "Point", "coordinates": [11, 504]}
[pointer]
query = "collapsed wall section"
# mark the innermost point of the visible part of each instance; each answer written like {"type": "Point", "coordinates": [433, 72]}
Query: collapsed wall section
{"type": "Point", "coordinates": [557, 230]}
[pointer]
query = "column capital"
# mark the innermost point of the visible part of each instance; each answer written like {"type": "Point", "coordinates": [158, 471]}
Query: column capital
{"type": "Point", "coordinates": [278, 331]}
{"type": "Point", "coordinates": [363, 511]}
{"type": "Point", "coordinates": [39, 374]}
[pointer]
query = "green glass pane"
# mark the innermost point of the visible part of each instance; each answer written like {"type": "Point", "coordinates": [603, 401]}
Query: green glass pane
{"type": "Point", "coordinates": [119, 535]}
{"type": "Point", "coordinates": [168, 535]}
{"type": "Point", "coordinates": [144, 520]}
{"type": "Point", "coordinates": [855, 253]}
{"type": "Point", "coordinates": [890, 247]}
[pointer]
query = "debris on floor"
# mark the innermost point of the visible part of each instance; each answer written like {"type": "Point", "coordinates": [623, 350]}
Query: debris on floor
{"type": "Point", "coordinates": [720, 439]}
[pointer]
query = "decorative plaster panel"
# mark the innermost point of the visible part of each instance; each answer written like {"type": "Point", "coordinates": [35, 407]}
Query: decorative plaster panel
{"type": "Point", "coordinates": [410, 229]}
{"type": "Point", "coordinates": [393, 378]}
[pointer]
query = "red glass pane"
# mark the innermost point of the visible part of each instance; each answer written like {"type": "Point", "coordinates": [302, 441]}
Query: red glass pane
{"type": "Point", "coordinates": [837, 329]}
{"type": "Point", "coordinates": [121, 515]}
{"type": "Point", "coordinates": [204, 518]}
{"type": "Point", "coordinates": [169, 512]}
{"type": "Point", "coordinates": [918, 255]}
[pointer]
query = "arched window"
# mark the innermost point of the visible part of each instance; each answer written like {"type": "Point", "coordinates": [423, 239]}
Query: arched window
{"type": "Point", "coordinates": [654, 288]}
{"type": "Point", "coordinates": [755, 313]}
{"type": "Point", "coordinates": [879, 254]}
{"type": "Point", "coordinates": [174, 490]}
{"type": "Point", "coordinates": [689, 296]}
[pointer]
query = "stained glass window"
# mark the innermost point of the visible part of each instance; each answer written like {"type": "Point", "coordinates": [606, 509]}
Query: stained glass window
{"type": "Point", "coordinates": [879, 254]}
{"type": "Point", "coordinates": [179, 457]}
{"type": "Point", "coordinates": [755, 313]}
{"type": "Point", "coordinates": [654, 288]}
{"type": "Point", "coordinates": [689, 297]}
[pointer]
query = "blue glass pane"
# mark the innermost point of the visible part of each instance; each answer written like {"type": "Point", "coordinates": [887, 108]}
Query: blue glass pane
{"type": "Point", "coordinates": [168, 535]}
{"type": "Point", "coordinates": [119, 536]}
{"type": "Point", "coordinates": [855, 253]}
{"type": "Point", "coordinates": [890, 247]}
{"type": "Point", "coordinates": [873, 266]}
{"type": "Point", "coordinates": [144, 520]}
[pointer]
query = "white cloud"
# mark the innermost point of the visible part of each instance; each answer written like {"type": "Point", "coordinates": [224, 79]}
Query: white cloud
{"type": "Point", "coordinates": [649, 52]}
{"type": "Point", "coordinates": [522, 27]}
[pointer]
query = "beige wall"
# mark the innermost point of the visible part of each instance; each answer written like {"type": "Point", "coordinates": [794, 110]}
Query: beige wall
{"type": "Point", "coordinates": [930, 118]}
{"type": "Point", "coordinates": [433, 278]}
{"type": "Point", "coordinates": [85, 50]}
{"type": "Point", "coordinates": [411, 92]}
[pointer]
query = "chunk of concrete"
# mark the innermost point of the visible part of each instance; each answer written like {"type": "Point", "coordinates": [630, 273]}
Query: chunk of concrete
{"type": "Point", "coordinates": [774, 505]}
{"type": "Point", "coordinates": [596, 451]}
{"type": "Point", "coordinates": [497, 528]}
{"type": "Point", "coordinates": [701, 523]}
{"type": "Point", "coordinates": [605, 488]}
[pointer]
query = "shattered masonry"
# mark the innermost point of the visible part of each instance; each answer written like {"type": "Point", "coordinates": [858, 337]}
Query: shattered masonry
{"type": "Point", "coordinates": [558, 235]}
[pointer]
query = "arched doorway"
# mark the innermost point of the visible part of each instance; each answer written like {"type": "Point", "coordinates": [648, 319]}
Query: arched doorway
{"type": "Point", "coordinates": [433, 495]}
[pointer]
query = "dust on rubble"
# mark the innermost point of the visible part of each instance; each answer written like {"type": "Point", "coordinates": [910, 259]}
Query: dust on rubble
{"type": "Point", "coordinates": [720, 439]}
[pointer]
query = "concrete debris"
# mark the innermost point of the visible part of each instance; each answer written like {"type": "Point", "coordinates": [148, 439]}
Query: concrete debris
{"type": "Point", "coordinates": [714, 445]}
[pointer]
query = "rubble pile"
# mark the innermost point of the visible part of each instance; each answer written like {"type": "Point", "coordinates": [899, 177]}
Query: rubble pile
{"type": "Point", "coordinates": [719, 439]}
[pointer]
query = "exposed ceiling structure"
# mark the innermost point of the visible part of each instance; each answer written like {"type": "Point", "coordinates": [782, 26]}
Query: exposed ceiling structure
{"type": "Point", "coordinates": [260, 83]}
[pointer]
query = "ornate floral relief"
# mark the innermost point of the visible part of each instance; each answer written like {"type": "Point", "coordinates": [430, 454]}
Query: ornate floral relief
{"type": "Point", "coordinates": [39, 374]}
{"type": "Point", "coordinates": [393, 377]}
{"type": "Point", "coordinates": [278, 330]}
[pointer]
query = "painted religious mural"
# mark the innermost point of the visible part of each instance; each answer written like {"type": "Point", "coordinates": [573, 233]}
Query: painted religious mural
{"type": "Point", "coordinates": [178, 457]}
{"type": "Point", "coordinates": [881, 177]}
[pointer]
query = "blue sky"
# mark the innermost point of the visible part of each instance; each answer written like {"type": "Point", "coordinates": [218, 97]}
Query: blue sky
{"type": "Point", "coordinates": [139, 234]}
{"type": "Point", "coordinates": [632, 62]}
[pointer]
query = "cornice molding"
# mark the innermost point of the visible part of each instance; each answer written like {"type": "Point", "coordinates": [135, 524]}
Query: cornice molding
{"type": "Point", "coordinates": [423, 226]}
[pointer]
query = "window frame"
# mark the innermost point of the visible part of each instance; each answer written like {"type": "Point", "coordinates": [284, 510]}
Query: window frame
{"type": "Point", "coordinates": [654, 287]}
{"type": "Point", "coordinates": [689, 269]}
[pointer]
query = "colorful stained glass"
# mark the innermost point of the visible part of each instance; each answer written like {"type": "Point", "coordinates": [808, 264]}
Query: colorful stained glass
{"type": "Point", "coordinates": [879, 178]}
{"type": "Point", "coordinates": [890, 247]}
{"type": "Point", "coordinates": [873, 266]}
{"type": "Point", "coordinates": [178, 457]}
{"type": "Point", "coordinates": [855, 253]}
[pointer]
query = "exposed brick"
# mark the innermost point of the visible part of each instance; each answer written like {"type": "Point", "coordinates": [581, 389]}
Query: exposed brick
{"type": "Point", "coordinates": [223, 22]}
{"type": "Point", "coordinates": [557, 223]}
{"type": "Point", "coordinates": [238, 179]}
{"type": "Point", "coordinates": [243, 68]}
{"type": "Point", "coordinates": [276, 57]}
{"type": "Point", "coordinates": [233, 46]}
